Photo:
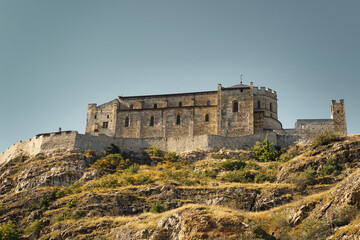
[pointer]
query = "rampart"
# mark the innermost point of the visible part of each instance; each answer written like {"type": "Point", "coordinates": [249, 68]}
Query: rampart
{"type": "Point", "coordinates": [73, 141]}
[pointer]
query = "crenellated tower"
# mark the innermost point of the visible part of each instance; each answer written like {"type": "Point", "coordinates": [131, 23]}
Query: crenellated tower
{"type": "Point", "coordinates": [338, 116]}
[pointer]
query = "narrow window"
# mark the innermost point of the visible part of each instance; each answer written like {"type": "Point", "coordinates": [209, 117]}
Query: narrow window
{"type": "Point", "coordinates": [152, 120]}
{"type": "Point", "coordinates": [235, 106]}
{"type": "Point", "coordinates": [127, 122]}
{"type": "Point", "coordinates": [208, 103]}
{"type": "Point", "coordinates": [131, 106]}
{"type": "Point", "coordinates": [207, 118]}
{"type": "Point", "coordinates": [302, 126]}
{"type": "Point", "coordinates": [155, 106]}
{"type": "Point", "coordinates": [270, 106]}
{"type": "Point", "coordinates": [107, 116]}
{"type": "Point", "coordinates": [178, 119]}
{"type": "Point", "coordinates": [105, 124]}
{"type": "Point", "coordinates": [258, 105]}
{"type": "Point", "coordinates": [95, 116]}
{"type": "Point", "coordinates": [180, 104]}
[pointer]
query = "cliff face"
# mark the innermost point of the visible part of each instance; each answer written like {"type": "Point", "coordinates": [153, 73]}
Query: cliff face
{"type": "Point", "coordinates": [312, 193]}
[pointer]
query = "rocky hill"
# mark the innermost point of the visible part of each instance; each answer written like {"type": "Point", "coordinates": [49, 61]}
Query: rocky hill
{"type": "Point", "coordinates": [309, 191]}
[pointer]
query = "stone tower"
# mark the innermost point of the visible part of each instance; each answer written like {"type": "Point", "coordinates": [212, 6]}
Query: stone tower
{"type": "Point", "coordinates": [338, 116]}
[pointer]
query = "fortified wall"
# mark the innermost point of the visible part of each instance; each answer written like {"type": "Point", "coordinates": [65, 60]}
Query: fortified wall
{"type": "Point", "coordinates": [72, 141]}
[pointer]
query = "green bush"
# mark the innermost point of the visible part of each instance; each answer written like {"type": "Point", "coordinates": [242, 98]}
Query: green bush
{"type": "Point", "coordinates": [242, 176]}
{"type": "Point", "coordinates": [230, 165]}
{"type": "Point", "coordinates": [332, 164]}
{"type": "Point", "coordinates": [344, 215]}
{"type": "Point", "coordinates": [252, 165]}
{"type": "Point", "coordinates": [264, 152]}
{"type": "Point", "coordinates": [66, 216]}
{"type": "Point", "coordinates": [36, 226]}
{"type": "Point", "coordinates": [108, 181]}
{"type": "Point", "coordinates": [8, 231]}
{"type": "Point", "coordinates": [303, 179]}
{"type": "Point", "coordinates": [71, 203]}
{"type": "Point", "coordinates": [112, 162]}
{"type": "Point", "coordinates": [313, 228]}
{"type": "Point", "coordinates": [140, 180]}
{"type": "Point", "coordinates": [209, 173]}
{"type": "Point", "coordinates": [154, 151]}
{"type": "Point", "coordinates": [171, 156]}
{"type": "Point", "coordinates": [113, 149]}
{"type": "Point", "coordinates": [262, 176]}
{"type": "Point", "coordinates": [324, 139]}
{"type": "Point", "coordinates": [46, 199]}
{"type": "Point", "coordinates": [158, 207]}
{"type": "Point", "coordinates": [133, 168]}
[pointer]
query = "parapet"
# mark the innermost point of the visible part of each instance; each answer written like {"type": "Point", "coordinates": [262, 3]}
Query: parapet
{"type": "Point", "coordinates": [265, 91]}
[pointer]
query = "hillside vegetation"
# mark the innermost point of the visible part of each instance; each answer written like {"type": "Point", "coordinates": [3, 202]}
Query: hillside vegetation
{"type": "Point", "coordinates": [303, 192]}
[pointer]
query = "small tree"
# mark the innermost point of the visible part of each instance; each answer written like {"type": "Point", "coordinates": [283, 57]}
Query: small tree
{"type": "Point", "coordinates": [264, 152]}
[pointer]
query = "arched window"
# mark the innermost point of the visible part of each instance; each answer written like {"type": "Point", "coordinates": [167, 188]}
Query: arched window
{"type": "Point", "coordinates": [207, 118]}
{"type": "Point", "coordinates": [180, 104]}
{"type": "Point", "coordinates": [155, 106]}
{"type": "Point", "coordinates": [235, 106]}
{"type": "Point", "coordinates": [152, 120]}
{"type": "Point", "coordinates": [208, 103]}
{"type": "Point", "coordinates": [127, 122]}
{"type": "Point", "coordinates": [258, 105]}
{"type": "Point", "coordinates": [271, 107]}
{"type": "Point", "coordinates": [178, 119]}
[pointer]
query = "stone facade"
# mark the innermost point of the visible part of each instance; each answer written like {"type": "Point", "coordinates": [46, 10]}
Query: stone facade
{"type": "Point", "coordinates": [235, 111]}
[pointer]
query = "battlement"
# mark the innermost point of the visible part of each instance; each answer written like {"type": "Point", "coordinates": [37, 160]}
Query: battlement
{"type": "Point", "coordinates": [335, 102]}
{"type": "Point", "coordinates": [265, 91]}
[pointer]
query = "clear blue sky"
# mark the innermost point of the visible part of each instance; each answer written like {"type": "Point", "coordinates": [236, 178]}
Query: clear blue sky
{"type": "Point", "coordinates": [58, 56]}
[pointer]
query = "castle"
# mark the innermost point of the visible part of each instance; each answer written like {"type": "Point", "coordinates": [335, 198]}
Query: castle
{"type": "Point", "coordinates": [235, 111]}
{"type": "Point", "coordinates": [231, 117]}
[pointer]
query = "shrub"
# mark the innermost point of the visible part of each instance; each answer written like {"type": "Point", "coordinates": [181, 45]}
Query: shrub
{"type": "Point", "coordinates": [8, 231]}
{"type": "Point", "coordinates": [324, 139]}
{"type": "Point", "coordinates": [133, 168]}
{"type": "Point", "coordinates": [305, 178]}
{"type": "Point", "coordinates": [46, 199]}
{"type": "Point", "coordinates": [36, 226]}
{"type": "Point", "coordinates": [313, 228]}
{"type": "Point", "coordinates": [90, 153]}
{"type": "Point", "coordinates": [65, 216]}
{"type": "Point", "coordinates": [71, 203]}
{"type": "Point", "coordinates": [112, 162]}
{"type": "Point", "coordinates": [139, 180]}
{"type": "Point", "coordinates": [242, 176]}
{"type": "Point", "coordinates": [209, 173]}
{"type": "Point", "coordinates": [154, 151]}
{"type": "Point", "coordinates": [284, 157]}
{"type": "Point", "coordinates": [262, 176]}
{"type": "Point", "coordinates": [252, 165]}
{"type": "Point", "coordinates": [263, 152]}
{"type": "Point", "coordinates": [344, 215]}
{"type": "Point", "coordinates": [171, 156]}
{"type": "Point", "coordinates": [158, 207]}
{"type": "Point", "coordinates": [332, 164]}
{"type": "Point", "coordinates": [113, 149]}
{"type": "Point", "coordinates": [108, 181]}
{"type": "Point", "coordinates": [231, 165]}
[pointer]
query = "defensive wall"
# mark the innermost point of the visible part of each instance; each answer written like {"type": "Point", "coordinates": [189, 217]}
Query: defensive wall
{"type": "Point", "coordinates": [72, 141]}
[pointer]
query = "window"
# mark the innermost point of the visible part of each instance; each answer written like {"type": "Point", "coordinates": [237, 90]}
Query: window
{"type": "Point", "coordinates": [131, 106]}
{"type": "Point", "coordinates": [105, 124]}
{"type": "Point", "coordinates": [178, 119]}
{"type": "Point", "coordinates": [302, 126]}
{"type": "Point", "coordinates": [95, 116]}
{"type": "Point", "coordinates": [127, 122]}
{"type": "Point", "coordinates": [207, 118]}
{"type": "Point", "coordinates": [152, 120]}
{"type": "Point", "coordinates": [208, 103]}
{"type": "Point", "coordinates": [107, 116]}
{"type": "Point", "coordinates": [155, 106]}
{"type": "Point", "coordinates": [235, 106]}
{"type": "Point", "coordinates": [259, 106]}
{"type": "Point", "coordinates": [96, 130]}
{"type": "Point", "coordinates": [270, 106]}
{"type": "Point", "coordinates": [180, 104]}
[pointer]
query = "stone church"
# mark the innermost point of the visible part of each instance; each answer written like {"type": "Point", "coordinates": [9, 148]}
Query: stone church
{"type": "Point", "coordinates": [233, 111]}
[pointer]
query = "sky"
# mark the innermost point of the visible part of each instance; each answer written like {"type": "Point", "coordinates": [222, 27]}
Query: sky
{"type": "Point", "coordinates": [56, 57]}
